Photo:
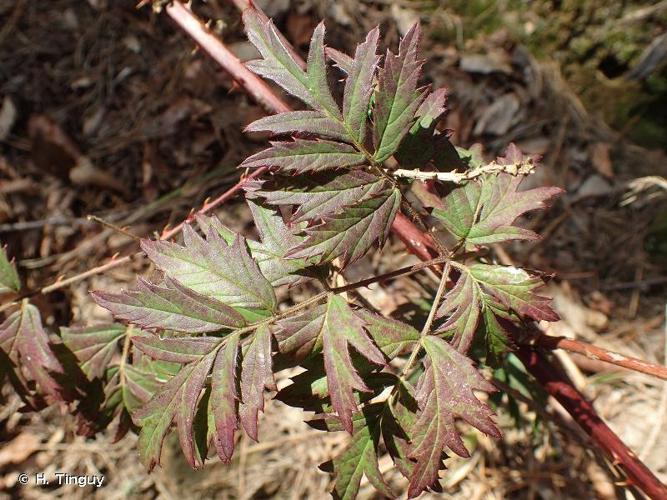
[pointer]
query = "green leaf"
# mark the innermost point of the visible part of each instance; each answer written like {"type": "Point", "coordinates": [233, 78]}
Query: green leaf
{"type": "Point", "coordinates": [316, 69]}
{"type": "Point", "coordinates": [515, 290]}
{"type": "Point", "coordinates": [359, 86]}
{"type": "Point", "coordinates": [269, 253]}
{"type": "Point", "coordinates": [349, 234]}
{"type": "Point", "coordinates": [482, 212]}
{"type": "Point", "coordinates": [303, 122]}
{"type": "Point", "coordinates": [397, 98]}
{"type": "Point", "coordinates": [256, 373]}
{"type": "Point", "coordinates": [391, 336]}
{"type": "Point", "coordinates": [94, 346]}
{"type": "Point", "coordinates": [360, 457]}
{"type": "Point", "coordinates": [27, 347]}
{"type": "Point", "coordinates": [303, 155]}
{"type": "Point", "coordinates": [321, 195]}
{"type": "Point", "coordinates": [9, 278]}
{"type": "Point", "coordinates": [462, 305]}
{"type": "Point", "coordinates": [491, 291]}
{"type": "Point", "coordinates": [176, 350]}
{"type": "Point", "coordinates": [278, 64]}
{"type": "Point", "coordinates": [432, 108]}
{"type": "Point", "coordinates": [169, 306]}
{"type": "Point", "coordinates": [213, 268]}
{"type": "Point", "coordinates": [444, 393]}
{"type": "Point", "coordinates": [301, 334]}
{"type": "Point", "coordinates": [177, 401]}
{"type": "Point", "coordinates": [343, 329]}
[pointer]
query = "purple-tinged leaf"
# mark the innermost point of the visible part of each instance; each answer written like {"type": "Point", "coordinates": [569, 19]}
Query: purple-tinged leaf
{"type": "Point", "coordinates": [310, 86]}
{"type": "Point", "coordinates": [482, 212]}
{"type": "Point", "coordinates": [302, 155]}
{"type": "Point", "coordinates": [302, 122]}
{"type": "Point", "coordinates": [341, 59]}
{"type": "Point", "coordinates": [391, 336]}
{"type": "Point", "coordinates": [316, 69]}
{"type": "Point", "coordinates": [397, 97]}
{"type": "Point", "coordinates": [444, 393]}
{"type": "Point", "coordinates": [515, 289]}
{"type": "Point", "coordinates": [301, 334]}
{"type": "Point", "coordinates": [169, 306]}
{"type": "Point", "coordinates": [462, 306]}
{"type": "Point", "coordinates": [213, 268]}
{"type": "Point", "coordinates": [323, 195]}
{"type": "Point", "coordinates": [256, 373]}
{"type": "Point", "coordinates": [176, 401]}
{"type": "Point", "coordinates": [224, 397]}
{"type": "Point", "coordinates": [360, 457]}
{"type": "Point", "coordinates": [277, 63]}
{"type": "Point", "coordinates": [269, 253]}
{"type": "Point", "coordinates": [349, 234]}
{"type": "Point", "coordinates": [93, 346]}
{"type": "Point", "coordinates": [27, 346]}
{"type": "Point", "coordinates": [359, 86]}
{"type": "Point", "coordinates": [176, 350]}
{"type": "Point", "coordinates": [431, 109]}
{"type": "Point", "coordinates": [342, 330]}
{"type": "Point", "coordinates": [9, 278]}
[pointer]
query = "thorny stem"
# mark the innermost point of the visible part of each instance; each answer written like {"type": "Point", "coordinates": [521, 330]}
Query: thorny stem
{"type": "Point", "coordinates": [600, 354]}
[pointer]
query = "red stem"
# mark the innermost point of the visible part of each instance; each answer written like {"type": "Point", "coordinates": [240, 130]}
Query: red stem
{"type": "Point", "coordinates": [599, 354]}
{"type": "Point", "coordinates": [558, 386]}
{"type": "Point", "coordinates": [420, 243]}
{"type": "Point", "coordinates": [200, 33]}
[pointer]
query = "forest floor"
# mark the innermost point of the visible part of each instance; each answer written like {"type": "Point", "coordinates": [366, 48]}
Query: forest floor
{"type": "Point", "coordinates": [107, 110]}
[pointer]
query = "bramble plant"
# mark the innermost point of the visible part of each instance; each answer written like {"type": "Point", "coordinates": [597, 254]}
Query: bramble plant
{"type": "Point", "coordinates": [198, 346]}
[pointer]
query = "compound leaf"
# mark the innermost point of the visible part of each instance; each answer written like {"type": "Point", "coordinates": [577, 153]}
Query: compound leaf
{"type": "Point", "coordinates": [176, 401]}
{"type": "Point", "coordinates": [343, 329]}
{"type": "Point", "coordinates": [397, 97]}
{"type": "Point", "coordinates": [301, 334]}
{"type": "Point", "coordinates": [444, 393]}
{"type": "Point", "coordinates": [213, 268]}
{"type": "Point", "coordinates": [322, 195]}
{"type": "Point", "coordinates": [9, 278]}
{"type": "Point", "coordinates": [269, 253]}
{"type": "Point", "coordinates": [360, 457]}
{"type": "Point", "coordinates": [303, 155]}
{"type": "Point", "coordinates": [169, 306]}
{"type": "Point", "coordinates": [391, 336]}
{"type": "Point", "coordinates": [487, 291]}
{"type": "Point", "coordinates": [93, 346]}
{"type": "Point", "coordinates": [28, 348]}
{"type": "Point", "coordinates": [482, 212]}
{"type": "Point", "coordinates": [515, 289]}
{"type": "Point", "coordinates": [350, 233]}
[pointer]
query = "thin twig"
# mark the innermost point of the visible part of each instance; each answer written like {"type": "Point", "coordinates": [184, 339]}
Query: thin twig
{"type": "Point", "coordinates": [209, 43]}
{"type": "Point", "coordinates": [557, 385]}
{"type": "Point", "coordinates": [111, 225]}
{"type": "Point", "coordinates": [600, 354]}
